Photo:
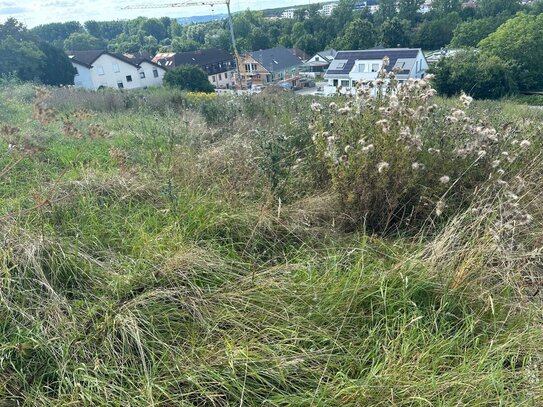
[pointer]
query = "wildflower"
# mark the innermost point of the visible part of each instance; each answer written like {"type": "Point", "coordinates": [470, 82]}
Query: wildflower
{"type": "Point", "coordinates": [458, 114]}
{"type": "Point", "coordinates": [445, 179]}
{"type": "Point", "coordinates": [481, 153]}
{"type": "Point", "coordinates": [432, 150]}
{"type": "Point", "coordinates": [386, 61]}
{"type": "Point", "coordinates": [417, 166]}
{"type": "Point", "coordinates": [316, 107]}
{"type": "Point", "coordinates": [495, 163]}
{"type": "Point", "coordinates": [344, 110]}
{"type": "Point", "coordinates": [347, 149]}
{"type": "Point", "coordinates": [368, 148]}
{"type": "Point", "coordinates": [525, 144]}
{"type": "Point", "coordinates": [466, 100]}
{"type": "Point", "coordinates": [440, 207]}
{"type": "Point", "coordinates": [429, 77]}
{"type": "Point", "coordinates": [333, 105]}
{"type": "Point", "coordinates": [500, 172]}
{"type": "Point", "coordinates": [382, 166]}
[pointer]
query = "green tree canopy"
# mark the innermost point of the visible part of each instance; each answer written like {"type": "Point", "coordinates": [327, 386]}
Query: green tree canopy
{"type": "Point", "coordinates": [56, 68]}
{"type": "Point", "coordinates": [358, 35]}
{"type": "Point", "coordinates": [395, 33]}
{"type": "Point", "coordinates": [83, 42]}
{"type": "Point", "coordinates": [482, 76]}
{"type": "Point", "coordinates": [489, 8]}
{"type": "Point", "coordinates": [520, 42]}
{"type": "Point", "coordinates": [470, 33]}
{"type": "Point", "coordinates": [188, 77]}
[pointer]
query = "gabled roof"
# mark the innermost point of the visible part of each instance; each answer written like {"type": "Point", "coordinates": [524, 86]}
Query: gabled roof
{"type": "Point", "coordinates": [140, 57]}
{"type": "Point", "coordinates": [87, 58]}
{"type": "Point", "coordinates": [328, 54]}
{"type": "Point", "coordinates": [302, 55]}
{"type": "Point", "coordinates": [345, 60]}
{"type": "Point", "coordinates": [276, 59]}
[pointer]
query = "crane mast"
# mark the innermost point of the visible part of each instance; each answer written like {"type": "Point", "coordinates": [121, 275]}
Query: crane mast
{"type": "Point", "coordinates": [211, 3]}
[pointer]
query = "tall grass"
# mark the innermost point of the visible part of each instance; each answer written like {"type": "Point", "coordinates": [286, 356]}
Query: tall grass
{"type": "Point", "coordinates": [171, 258]}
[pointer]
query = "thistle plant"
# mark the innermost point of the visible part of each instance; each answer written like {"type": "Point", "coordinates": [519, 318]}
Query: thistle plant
{"type": "Point", "coordinates": [395, 158]}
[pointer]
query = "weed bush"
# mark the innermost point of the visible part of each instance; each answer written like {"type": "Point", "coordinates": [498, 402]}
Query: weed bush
{"type": "Point", "coordinates": [396, 159]}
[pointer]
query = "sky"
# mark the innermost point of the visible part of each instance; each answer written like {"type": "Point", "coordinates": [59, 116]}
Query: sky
{"type": "Point", "coordinates": [35, 12]}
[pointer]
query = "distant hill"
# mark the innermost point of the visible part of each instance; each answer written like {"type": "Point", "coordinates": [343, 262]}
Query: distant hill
{"type": "Point", "coordinates": [201, 19]}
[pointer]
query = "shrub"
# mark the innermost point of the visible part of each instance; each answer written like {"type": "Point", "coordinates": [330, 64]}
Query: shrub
{"type": "Point", "coordinates": [482, 76]}
{"type": "Point", "coordinates": [188, 77]}
{"type": "Point", "coordinates": [396, 159]}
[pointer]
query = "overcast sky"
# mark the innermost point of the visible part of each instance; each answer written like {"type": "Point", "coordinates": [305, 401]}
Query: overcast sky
{"type": "Point", "coordinates": [35, 12]}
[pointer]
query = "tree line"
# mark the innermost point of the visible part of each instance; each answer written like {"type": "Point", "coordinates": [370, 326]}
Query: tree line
{"type": "Point", "coordinates": [492, 66]}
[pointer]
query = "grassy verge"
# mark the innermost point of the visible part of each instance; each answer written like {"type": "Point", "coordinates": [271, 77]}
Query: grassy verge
{"type": "Point", "coordinates": [174, 257]}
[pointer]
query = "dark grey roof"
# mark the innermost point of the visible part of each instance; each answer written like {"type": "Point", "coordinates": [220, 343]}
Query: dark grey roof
{"type": "Point", "coordinates": [139, 57]}
{"type": "Point", "coordinates": [328, 54]}
{"type": "Point", "coordinates": [202, 57]}
{"type": "Point", "coordinates": [276, 59]}
{"type": "Point", "coordinates": [372, 54]}
{"type": "Point", "coordinates": [87, 58]}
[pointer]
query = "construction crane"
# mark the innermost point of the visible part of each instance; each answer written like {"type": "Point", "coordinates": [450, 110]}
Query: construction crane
{"type": "Point", "coordinates": [211, 3]}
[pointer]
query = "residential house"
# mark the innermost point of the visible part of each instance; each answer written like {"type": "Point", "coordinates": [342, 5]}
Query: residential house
{"type": "Point", "coordinates": [265, 67]}
{"type": "Point", "coordinates": [300, 54]}
{"type": "Point", "coordinates": [372, 5]}
{"type": "Point", "coordinates": [289, 14]}
{"type": "Point", "coordinates": [349, 67]}
{"type": "Point", "coordinates": [327, 9]}
{"type": "Point", "coordinates": [470, 4]}
{"type": "Point", "coordinates": [426, 7]}
{"type": "Point", "coordinates": [219, 65]}
{"type": "Point", "coordinates": [103, 69]}
{"type": "Point", "coordinates": [319, 63]}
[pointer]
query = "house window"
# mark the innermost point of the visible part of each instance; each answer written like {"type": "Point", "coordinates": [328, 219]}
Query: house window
{"type": "Point", "coordinates": [247, 67]}
{"type": "Point", "coordinates": [155, 73]}
{"type": "Point", "coordinates": [213, 78]}
{"type": "Point", "coordinates": [76, 71]}
{"type": "Point", "coordinates": [336, 82]}
{"type": "Point", "coordinates": [226, 75]}
{"type": "Point", "coordinates": [120, 85]}
{"type": "Point", "coordinates": [100, 70]}
{"type": "Point", "coordinates": [142, 75]}
{"type": "Point", "coordinates": [317, 59]}
{"type": "Point", "coordinates": [374, 67]}
{"type": "Point", "coordinates": [345, 84]}
{"type": "Point", "coordinates": [361, 67]}
{"type": "Point", "coordinates": [116, 68]}
{"type": "Point", "coordinates": [220, 77]}
{"type": "Point", "coordinates": [253, 67]}
{"type": "Point", "coordinates": [129, 78]}
{"type": "Point", "coordinates": [257, 76]}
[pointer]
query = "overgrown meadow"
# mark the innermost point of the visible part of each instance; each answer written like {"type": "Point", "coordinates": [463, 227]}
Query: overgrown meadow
{"type": "Point", "coordinates": [160, 248]}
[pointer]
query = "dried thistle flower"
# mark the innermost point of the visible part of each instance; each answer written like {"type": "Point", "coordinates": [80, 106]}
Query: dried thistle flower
{"type": "Point", "coordinates": [382, 166]}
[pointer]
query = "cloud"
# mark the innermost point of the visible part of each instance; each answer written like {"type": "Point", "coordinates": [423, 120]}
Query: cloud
{"type": "Point", "coordinates": [35, 12]}
{"type": "Point", "coordinates": [11, 11]}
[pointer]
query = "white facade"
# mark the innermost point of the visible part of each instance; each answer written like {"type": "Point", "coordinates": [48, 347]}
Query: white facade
{"type": "Point", "coordinates": [426, 7]}
{"type": "Point", "coordinates": [224, 80]}
{"type": "Point", "coordinates": [288, 14]}
{"type": "Point", "coordinates": [111, 72]}
{"type": "Point", "coordinates": [152, 74]}
{"type": "Point", "coordinates": [368, 70]}
{"type": "Point", "coordinates": [327, 9]}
